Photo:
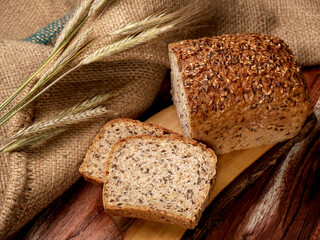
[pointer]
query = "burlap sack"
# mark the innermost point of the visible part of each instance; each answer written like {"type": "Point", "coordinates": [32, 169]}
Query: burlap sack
{"type": "Point", "coordinates": [31, 179]}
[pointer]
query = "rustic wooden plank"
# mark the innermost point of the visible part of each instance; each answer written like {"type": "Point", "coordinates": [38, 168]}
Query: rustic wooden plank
{"type": "Point", "coordinates": [77, 214]}
{"type": "Point", "coordinates": [312, 75]}
{"type": "Point", "coordinates": [295, 213]}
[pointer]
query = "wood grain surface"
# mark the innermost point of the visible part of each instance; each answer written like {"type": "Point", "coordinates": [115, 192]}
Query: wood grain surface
{"type": "Point", "coordinates": [276, 198]}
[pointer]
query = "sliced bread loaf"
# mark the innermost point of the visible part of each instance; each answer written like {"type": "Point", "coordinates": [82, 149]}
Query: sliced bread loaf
{"type": "Point", "coordinates": [165, 179]}
{"type": "Point", "coordinates": [93, 167]}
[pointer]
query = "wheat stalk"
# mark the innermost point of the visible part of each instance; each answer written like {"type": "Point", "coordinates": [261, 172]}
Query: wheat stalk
{"type": "Point", "coordinates": [145, 31]}
{"type": "Point", "coordinates": [182, 16]}
{"type": "Point", "coordinates": [148, 22]}
{"type": "Point", "coordinates": [126, 44]}
{"type": "Point", "coordinates": [77, 112]}
{"type": "Point", "coordinates": [62, 121]}
{"type": "Point", "coordinates": [79, 15]}
{"type": "Point", "coordinates": [47, 129]}
{"type": "Point", "coordinates": [65, 57]}
{"type": "Point", "coordinates": [18, 144]}
{"type": "Point", "coordinates": [86, 10]}
{"type": "Point", "coordinates": [71, 52]}
{"type": "Point", "coordinates": [66, 35]}
{"type": "Point", "coordinates": [91, 103]}
{"type": "Point", "coordinates": [97, 6]}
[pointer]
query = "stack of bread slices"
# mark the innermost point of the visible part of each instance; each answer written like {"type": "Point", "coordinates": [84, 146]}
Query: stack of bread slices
{"type": "Point", "coordinates": [150, 172]}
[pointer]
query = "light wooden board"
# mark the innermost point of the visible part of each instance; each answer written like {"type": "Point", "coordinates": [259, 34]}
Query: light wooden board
{"type": "Point", "coordinates": [229, 167]}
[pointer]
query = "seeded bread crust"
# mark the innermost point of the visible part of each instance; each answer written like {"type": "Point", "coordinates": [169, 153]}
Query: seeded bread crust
{"type": "Point", "coordinates": [238, 91]}
{"type": "Point", "coordinates": [89, 170]}
{"type": "Point", "coordinates": [152, 213]}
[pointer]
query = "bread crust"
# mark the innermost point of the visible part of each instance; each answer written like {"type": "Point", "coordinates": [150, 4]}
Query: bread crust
{"type": "Point", "coordinates": [94, 146]}
{"type": "Point", "coordinates": [154, 214]}
{"type": "Point", "coordinates": [246, 81]}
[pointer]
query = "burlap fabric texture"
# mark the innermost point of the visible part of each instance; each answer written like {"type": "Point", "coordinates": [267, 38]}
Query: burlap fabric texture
{"type": "Point", "coordinates": [31, 179]}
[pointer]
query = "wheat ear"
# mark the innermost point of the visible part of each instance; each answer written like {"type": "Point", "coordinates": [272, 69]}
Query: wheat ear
{"type": "Point", "coordinates": [181, 16]}
{"type": "Point", "coordinates": [126, 44]}
{"type": "Point", "coordinates": [78, 112]}
{"type": "Point", "coordinates": [97, 5]}
{"type": "Point", "coordinates": [45, 130]}
{"type": "Point", "coordinates": [79, 15]}
{"type": "Point", "coordinates": [18, 144]}
{"type": "Point", "coordinates": [148, 22]}
{"type": "Point", "coordinates": [170, 21]}
{"type": "Point", "coordinates": [62, 121]}
{"type": "Point", "coordinates": [91, 103]}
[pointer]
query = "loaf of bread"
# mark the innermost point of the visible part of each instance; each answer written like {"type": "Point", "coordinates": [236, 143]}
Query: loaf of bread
{"type": "Point", "coordinates": [165, 179]}
{"type": "Point", "coordinates": [237, 91]}
{"type": "Point", "coordinates": [93, 167]}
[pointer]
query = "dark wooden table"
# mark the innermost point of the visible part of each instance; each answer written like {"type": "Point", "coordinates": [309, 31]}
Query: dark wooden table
{"type": "Point", "coordinates": [278, 197]}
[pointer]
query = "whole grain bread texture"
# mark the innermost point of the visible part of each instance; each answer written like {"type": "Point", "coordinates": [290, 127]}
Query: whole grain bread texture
{"type": "Point", "coordinates": [93, 168]}
{"type": "Point", "coordinates": [159, 178]}
{"type": "Point", "coordinates": [238, 91]}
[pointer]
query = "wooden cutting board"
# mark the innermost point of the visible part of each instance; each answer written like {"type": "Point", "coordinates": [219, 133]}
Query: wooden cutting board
{"type": "Point", "coordinates": [229, 167]}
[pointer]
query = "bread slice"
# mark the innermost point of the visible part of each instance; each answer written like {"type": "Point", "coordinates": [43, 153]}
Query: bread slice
{"type": "Point", "coordinates": [237, 91]}
{"type": "Point", "coordinates": [165, 179]}
{"type": "Point", "coordinates": [93, 167]}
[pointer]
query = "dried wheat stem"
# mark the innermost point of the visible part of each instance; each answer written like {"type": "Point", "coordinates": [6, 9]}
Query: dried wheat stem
{"type": "Point", "coordinates": [65, 57]}
{"type": "Point", "coordinates": [78, 16]}
{"type": "Point", "coordinates": [180, 17]}
{"type": "Point", "coordinates": [11, 112]}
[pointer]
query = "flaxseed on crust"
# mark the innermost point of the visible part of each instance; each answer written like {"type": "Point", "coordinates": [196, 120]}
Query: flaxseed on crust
{"type": "Point", "coordinates": [238, 91]}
